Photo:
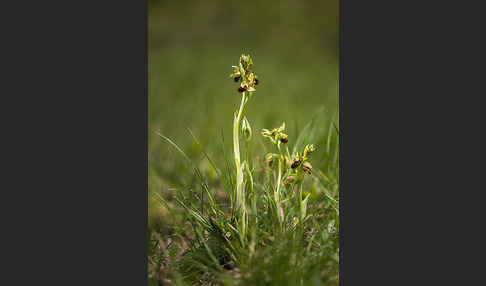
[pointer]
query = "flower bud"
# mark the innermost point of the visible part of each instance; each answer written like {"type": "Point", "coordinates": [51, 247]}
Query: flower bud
{"type": "Point", "coordinates": [287, 162]}
{"type": "Point", "coordinates": [309, 149]}
{"type": "Point", "coordinates": [269, 158]}
{"type": "Point", "coordinates": [289, 180]}
{"type": "Point", "coordinates": [246, 129]}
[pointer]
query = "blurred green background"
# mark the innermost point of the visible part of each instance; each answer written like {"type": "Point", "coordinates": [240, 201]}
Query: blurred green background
{"type": "Point", "coordinates": [192, 46]}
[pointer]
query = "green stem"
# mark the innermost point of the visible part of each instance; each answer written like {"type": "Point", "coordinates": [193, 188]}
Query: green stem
{"type": "Point", "coordinates": [236, 146]}
{"type": "Point", "coordinates": [279, 179]}
{"type": "Point", "coordinates": [236, 130]}
{"type": "Point", "coordinates": [300, 195]}
{"type": "Point", "coordinates": [250, 179]}
{"type": "Point", "coordinates": [301, 229]}
{"type": "Point", "coordinates": [277, 190]}
{"type": "Point", "coordinates": [239, 193]}
{"type": "Point", "coordinates": [247, 151]}
{"type": "Point", "coordinates": [288, 153]}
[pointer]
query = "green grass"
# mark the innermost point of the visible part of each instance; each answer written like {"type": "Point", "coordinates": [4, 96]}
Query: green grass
{"type": "Point", "coordinates": [192, 102]}
{"type": "Point", "coordinates": [199, 243]}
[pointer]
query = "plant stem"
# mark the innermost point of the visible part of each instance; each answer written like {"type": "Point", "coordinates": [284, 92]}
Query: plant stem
{"type": "Point", "coordinates": [301, 218]}
{"type": "Point", "coordinates": [250, 179]}
{"type": "Point", "coordinates": [277, 190]}
{"type": "Point", "coordinates": [239, 193]}
{"type": "Point", "coordinates": [247, 152]}
{"type": "Point", "coordinates": [236, 146]}
{"type": "Point", "coordinates": [300, 196]}
{"type": "Point", "coordinates": [236, 130]}
{"type": "Point", "coordinates": [288, 153]}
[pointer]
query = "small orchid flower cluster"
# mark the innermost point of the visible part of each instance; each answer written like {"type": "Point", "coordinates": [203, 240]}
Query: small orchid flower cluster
{"type": "Point", "coordinates": [276, 135]}
{"type": "Point", "coordinates": [299, 162]}
{"type": "Point", "coordinates": [243, 73]}
{"type": "Point", "coordinates": [294, 170]}
{"type": "Point", "coordinates": [300, 165]}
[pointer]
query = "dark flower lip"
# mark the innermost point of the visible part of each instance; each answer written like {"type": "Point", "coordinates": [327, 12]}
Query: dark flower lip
{"type": "Point", "coordinates": [256, 81]}
{"type": "Point", "coordinates": [242, 88]}
{"type": "Point", "coordinates": [295, 164]}
{"type": "Point", "coordinates": [307, 168]}
{"type": "Point", "coordinates": [236, 79]}
{"type": "Point", "coordinates": [284, 140]}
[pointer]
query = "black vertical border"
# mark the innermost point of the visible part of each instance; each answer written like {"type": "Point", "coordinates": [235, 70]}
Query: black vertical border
{"type": "Point", "coordinates": [146, 238]}
{"type": "Point", "coordinates": [341, 196]}
{"type": "Point", "coordinates": [79, 204]}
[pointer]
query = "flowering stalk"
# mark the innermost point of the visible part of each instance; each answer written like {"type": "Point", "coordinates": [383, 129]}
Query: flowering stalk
{"type": "Point", "coordinates": [302, 166]}
{"type": "Point", "coordinates": [244, 75]}
{"type": "Point", "coordinates": [277, 137]}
